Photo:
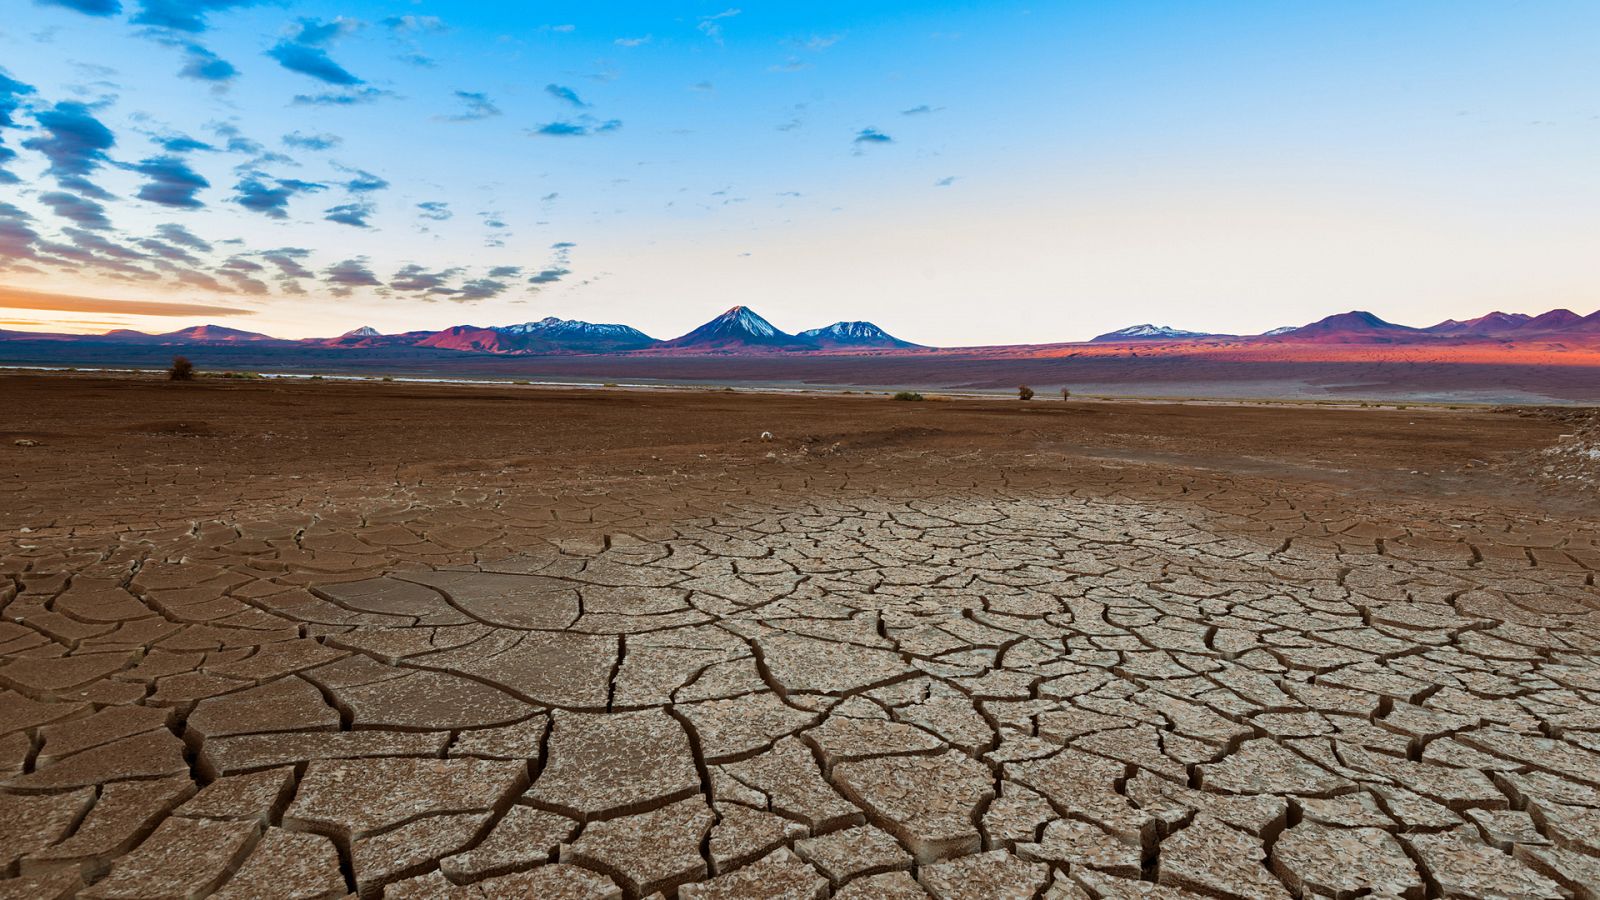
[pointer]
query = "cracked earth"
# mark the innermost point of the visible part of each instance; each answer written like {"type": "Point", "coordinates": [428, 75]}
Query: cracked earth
{"type": "Point", "coordinates": [410, 645]}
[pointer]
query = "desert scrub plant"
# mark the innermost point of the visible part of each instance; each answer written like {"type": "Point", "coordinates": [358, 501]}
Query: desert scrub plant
{"type": "Point", "coordinates": [1066, 394]}
{"type": "Point", "coordinates": [1024, 393]}
{"type": "Point", "coordinates": [908, 395]}
{"type": "Point", "coordinates": [182, 369]}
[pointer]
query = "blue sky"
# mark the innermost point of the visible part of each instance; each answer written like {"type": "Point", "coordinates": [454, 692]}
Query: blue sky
{"type": "Point", "coordinates": [959, 173]}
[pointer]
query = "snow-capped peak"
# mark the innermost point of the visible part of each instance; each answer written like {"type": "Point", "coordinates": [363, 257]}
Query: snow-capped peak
{"type": "Point", "coordinates": [363, 331]}
{"type": "Point", "coordinates": [1148, 332]}
{"type": "Point", "coordinates": [846, 331]}
{"type": "Point", "coordinates": [550, 325]}
{"type": "Point", "coordinates": [745, 319]}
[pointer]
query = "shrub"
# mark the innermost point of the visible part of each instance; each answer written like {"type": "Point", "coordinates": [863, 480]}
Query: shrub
{"type": "Point", "coordinates": [908, 395]}
{"type": "Point", "coordinates": [182, 369]}
{"type": "Point", "coordinates": [1024, 393]}
{"type": "Point", "coordinates": [1066, 394]}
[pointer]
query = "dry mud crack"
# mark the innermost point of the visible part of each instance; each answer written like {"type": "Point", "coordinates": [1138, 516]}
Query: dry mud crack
{"type": "Point", "coordinates": [1020, 688]}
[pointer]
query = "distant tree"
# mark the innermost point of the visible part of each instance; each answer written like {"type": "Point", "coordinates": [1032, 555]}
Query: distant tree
{"type": "Point", "coordinates": [1024, 393]}
{"type": "Point", "coordinates": [908, 395]}
{"type": "Point", "coordinates": [182, 369]}
{"type": "Point", "coordinates": [1066, 394]}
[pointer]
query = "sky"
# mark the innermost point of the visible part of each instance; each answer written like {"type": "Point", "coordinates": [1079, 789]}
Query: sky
{"type": "Point", "coordinates": [958, 173]}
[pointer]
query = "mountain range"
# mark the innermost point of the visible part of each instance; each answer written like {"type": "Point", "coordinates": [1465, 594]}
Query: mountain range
{"type": "Point", "coordinates": [742, 331]}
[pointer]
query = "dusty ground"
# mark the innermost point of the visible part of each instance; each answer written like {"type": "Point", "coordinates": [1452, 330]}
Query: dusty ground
{"type": "Point", "coordinates": [316, 639]}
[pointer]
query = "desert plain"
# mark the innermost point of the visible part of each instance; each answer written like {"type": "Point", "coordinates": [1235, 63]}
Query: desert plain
{"type": "Point", "coordinates": [324, 639]}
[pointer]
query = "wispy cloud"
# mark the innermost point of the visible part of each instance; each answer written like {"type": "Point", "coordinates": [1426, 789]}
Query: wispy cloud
{"type": "Point", "coordinates": [632, 41]}
{"type": "Point", "coordinates": [353, 97]}
{"type": "Point", "coordinates": [577, 129]}
{"type": "Point", "coordinates": [312, 141]}
{"type": "Point", "coordinates": [352, 214]}
{"type": "Point", "coordinates": [434, 210]}
{"type": "Point", "coordinates": [922, 110]}
{"type": "Point", "coordinates": [79, 210]}
{"type": "Point", "coordinates": [711, 26]}
{"type": "Point", "coordinates": [565, 95]}
{"type": "Point", "coordinates": [872, 136]}
{"type": "Point", "coordinates": [478, 106]}
{"type": "Point", "coordinates": [945, 181]}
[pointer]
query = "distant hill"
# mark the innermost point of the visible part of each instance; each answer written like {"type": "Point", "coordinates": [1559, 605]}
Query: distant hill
{"type": "Point", "coordinates": [859, 335]}
{"type": "Point", "coordinates": [1146, 333]}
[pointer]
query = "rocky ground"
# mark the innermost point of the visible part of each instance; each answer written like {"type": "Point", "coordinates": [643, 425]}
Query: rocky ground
{"type": "Point", "coordinates": [316, 640]}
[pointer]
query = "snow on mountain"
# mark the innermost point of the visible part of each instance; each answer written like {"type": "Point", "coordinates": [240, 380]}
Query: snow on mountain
{"type": "Point", "coordinates": [1147, 332]}
{"type": "Point", "coordinates": [739, 327]}
{"type": "Point", "coordinates": [1281, 329]}
{"type": "Point", "coordinates": [364, 331]}
{"type": "Point", "coordinates": [852, 334]}
{"type": "Point", "coordinates": [552, 327]}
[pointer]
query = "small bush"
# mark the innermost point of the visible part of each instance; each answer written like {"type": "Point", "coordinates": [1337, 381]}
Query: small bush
{"type": "Point", "coordinates": [182, 369]}
{"type": "Point", "coordinates": [1066, 394]}
{"type": "Point", "coordinates": [908, 395]}
{"type": "Point", "coordinates": [244, 376]}
{"type": "Point", "coordinates": [1024, 393]}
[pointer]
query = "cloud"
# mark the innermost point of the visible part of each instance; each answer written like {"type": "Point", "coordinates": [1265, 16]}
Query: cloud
{"type": "Point", "coordinates": [819, 42]}
{"type": "Point", "coordinates": [505, 271]}
{"type": "Point", "coordinates": [577, 129]}
{"type": "Point", "coordinates": [566, 95]}
{"type": "Point", "coordinates": [174, 233]}
{"type": "Point", "coordinates": [479, 106]}
{"type": "Point", "coordinates": [632, 42]}
{"type": "Point", "coordinates": [342, 98]}
{"type": "Point", "coordinates": [348, 274]}
{"type": "Point", "coordinates": [168, 252]}
{"type": "Point", "coordinates": [413, 278]}
{"type": "Point", "coordinates": [792, 64]}
{"type": "Point", "coordinates": [181, 143]}
{"type": "Point", "coordinates": [84, 212]}
{"type": "Point", "coordinates": [703, 86]}
{"type": "Point", "coordinates": [414, 24]}
{"type": "Point", "coordinates": [75, 142]}
{"type": "Point", "coordinates": [364, 182]}
{"type": "Point", "coordinates": [11, 94]}
{"type": "Point", "coordinates": [99, 244]}
{"type": "Point", "coordinates": [480, 289]}
{"type": "Point", "coordinates": [353, 214]}
{"type": "Point", "coordinates": [87, 7]}
{"type": "Point", "coordinates": [312, 61]}
{"type": "Point", "coordinates": [312, 141]}
{"type": "Point", "coordinates": [13, 298]}
{"type": "Point", "coordinates": [550, 275]}
{"type": "Point", "coordinates": [922, 110]}
{"type": "Point", "coordinates": [711, 26]}
{"type": "Point", "coordinates": [287, 259]}
{"type": "Point", "coordinates": [255, 194]}
{"type": "Point", "coordinates": [172, 182]}
{"type": "Point", "coordinates": [872, 136]}
{"type": "Point", "coordinates": [183, 15]}
{"type": "Point", "coordinates": [434, 210]}
{"type": "Point", "coordinates": [16, 238]}
{"type": "Point", "coordinates": [201, 64]}
{"type": "Point", "coordinates": [945, 181]}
